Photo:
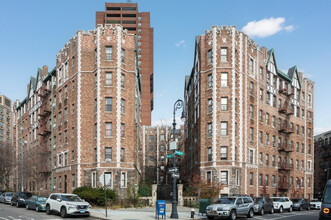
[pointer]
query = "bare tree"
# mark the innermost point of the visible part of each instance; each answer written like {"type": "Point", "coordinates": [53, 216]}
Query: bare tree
{"type": "Point", "coordinates": [6, 153]}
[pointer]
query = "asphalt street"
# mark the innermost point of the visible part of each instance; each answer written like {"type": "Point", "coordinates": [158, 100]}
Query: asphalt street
{"type": "Point", "coordinates": [8, 212]}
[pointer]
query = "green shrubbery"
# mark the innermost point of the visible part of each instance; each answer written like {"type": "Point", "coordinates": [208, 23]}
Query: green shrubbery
{"type": "Point", "coordinates": [95, 196]}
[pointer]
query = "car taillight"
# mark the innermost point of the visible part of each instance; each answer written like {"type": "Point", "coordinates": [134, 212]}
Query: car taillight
{"type": "Point", "coordinates": [326, 210]}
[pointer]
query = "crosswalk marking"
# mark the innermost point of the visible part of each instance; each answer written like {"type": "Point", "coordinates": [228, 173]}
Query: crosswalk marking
{"type": "Point", "coordinates": [3, 218]}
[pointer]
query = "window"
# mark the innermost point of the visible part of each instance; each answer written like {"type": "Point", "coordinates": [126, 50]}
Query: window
{"type": "Point", "coordinates": [108, 153]}
{"type": "Point", "coordinates": [251, 66]}
{"type": "Point", "coordinates": [267, 118]}
{"type": "Point", "coordinates": [251, 88]}
{"type": "Point", "coordinates": [209, 177]}
{"type": "Point", "coordinates": [224, 153]}
{"type": "Point", "coordinates": [224, 128]}
{"type": "Point", "coordinates": [224, 54]}
{"type": "Point", "coordinates": [224, 177]}
{"type": "Point", "coordinates": [151, 138]}
{"type": "Point", "coordinates": [224, 79]}
{"type": "Point", "coordinates": [267, 139]}
{"type": "Point", "coordinates": [123, 180]}
{"type": "Point", "coordinates": [261, 116]}
{"type": "Point", "coordinates": [66, 159]}
{"type": "Point", "coordinates": [251, 179]}
{"type": "Point", "coordinates": [65, 137]}
{"type": "Point", "coordinates": [273, 121]}
{"type": "Point", "coordinates": [309, 149]}
{"type": "Point", "coordinates": [109, 53]}
{"type": "Point", "coordinates": [251, 134]}
{"type": "Point", "coordinates": [210, 105]}
{"type": "Point", "coordinates": [309, 165]}
{"type": "Point", "coordinates": [209, 154]}
{"type": "Point", "coordinates": [209, 129]}
{"type": "Point", "coordinates": [122, 154]}
{"type": "Point", "coordinates": [151, 158]}
{"type": "Point", "coordinates": [60, 182]}
{"type": "Point", "coordinates": [309, 132]}
{"type": "Point", "coordinates": [210, 56]}
{"type": "Point", "coordinates": [273, 160]}
{"type": "Point", "coordinates": [261, 94]}
{"type": "Point", "coordinates": [224, 104]}
{"type": "Point", "coordinates": [273, 180]}
{"type": "Point", "coordinates": [302, 148]}
{"type": "Point", "coordinates": [261, 158]}
{"type": "Point", "coordinates": [261, 73]}
{"type": "Point", "coordinates": [251, 109]}
{"type": "Point", "coordinates": [123, 106]}
{"type": "Point", "coordinates": [267, 180]}
{"type": "Point", "coordinates": [261, 137]}
{"type": "Point", "coordinates": [123, 56]}
{"type": "Point", "coordinates": [251, 157]}
{"type": "Point", "coordinates": [109, 79]}
{"type": "Point", "coordinates": [108, 129]}
{"type": "Point", "coordinates": [308, 182]}
{"type": "Point", "coordinates": [162, 148]}
{"type": "Point", "coordinates": [162, 137]}
{"type": "Point", "coordinates": [261, 180]}
{"type": "Point", "coordinates": [122, 130]}
{"type": "Point", "coordinates": [210, 81]}
{"type": "Point", "coordinates": [123, 81]}
{"type": "Point", "coordinates": [109, 104]}
{"type": "Point", "coordinates": [267, 159]}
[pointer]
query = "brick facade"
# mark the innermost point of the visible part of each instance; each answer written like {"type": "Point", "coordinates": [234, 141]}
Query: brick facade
{"type": "Point", "coordinates": [242, 116]}
{"type": "Point", "coordinates": [94, 115]}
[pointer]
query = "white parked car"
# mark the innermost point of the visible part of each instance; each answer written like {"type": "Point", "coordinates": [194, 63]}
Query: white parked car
{"type": "Point", "coordinates": [315, 204]}
{"type": "Point", "coordinates": [282, 203]}
{"type": "Point", "coordinates": [67, 204]}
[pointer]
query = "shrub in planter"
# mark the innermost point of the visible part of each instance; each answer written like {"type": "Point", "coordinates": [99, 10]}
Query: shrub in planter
{"type": "Point", "coordinates": [95, 196]}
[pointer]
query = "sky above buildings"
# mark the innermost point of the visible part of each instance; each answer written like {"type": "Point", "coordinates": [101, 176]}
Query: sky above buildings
{"type": "Point", "coordinates": [32, 33]}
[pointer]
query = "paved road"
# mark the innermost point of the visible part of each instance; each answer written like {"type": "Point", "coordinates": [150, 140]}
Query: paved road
{"type": "Point", "coordinates": [8, 212]}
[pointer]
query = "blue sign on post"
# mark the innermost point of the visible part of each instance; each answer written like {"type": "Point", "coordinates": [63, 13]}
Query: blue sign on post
{"type": "Point", "coordinates": [160, 209]}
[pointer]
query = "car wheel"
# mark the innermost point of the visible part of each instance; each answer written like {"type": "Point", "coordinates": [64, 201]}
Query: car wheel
{"type": "Point", "coordinates": [210, 217]}
{"type": "Point", "coordinates": [37, 208]}
{"type": "Point", "coordinates": [290, 210]}
{"type": "Point", "coordinates": [63, 212]}
{"type": "Point", "coordinates": [27, 207]}
{"type": "Point", "coordinates": [262, 211]}
{"type": "Point", "coordinates": [250, 213]}
{"type": "Point", "coordinates": [48, 210]}
{"type": "Point", "coordinates": [300, 208]}
{"type": "Point", "coordinates": [233, 215]}
{"type": "Point", "coordinates": [281, 209]}
{"type": "Point", "coordinates": [272, 210]}
{"type": "Point", "coordinates": [17, 205]}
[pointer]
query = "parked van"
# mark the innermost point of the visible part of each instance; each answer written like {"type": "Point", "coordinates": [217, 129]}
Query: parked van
{"type": "Point", "coordinates": [325, 212]}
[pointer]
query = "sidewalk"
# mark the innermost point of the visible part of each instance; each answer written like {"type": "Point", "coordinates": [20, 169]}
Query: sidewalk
{"type": "Point", "coordinates": [143, 213]}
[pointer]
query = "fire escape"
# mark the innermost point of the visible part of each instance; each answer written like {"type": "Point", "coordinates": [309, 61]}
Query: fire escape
{"type": "Point", "coordinates": [44, 131]}
{"type": "Point", "coordinates": [285, 148]}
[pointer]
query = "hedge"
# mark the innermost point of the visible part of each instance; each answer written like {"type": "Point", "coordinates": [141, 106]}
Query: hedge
{"type": "Point", "coordinates": [95, 196]}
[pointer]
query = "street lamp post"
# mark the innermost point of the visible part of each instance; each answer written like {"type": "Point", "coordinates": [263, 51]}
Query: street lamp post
{"type": "Point", "coordinates": [174, 214]}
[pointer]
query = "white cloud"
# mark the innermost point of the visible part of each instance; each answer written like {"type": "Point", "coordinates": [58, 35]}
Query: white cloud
{"type": "Point", "coordinates": [168, 122]}
{"type": "Point", "coordinates": [266, 27]}
{"type": "Point", "coordinates": [318, 131]}
{"type": "Point", "coordinates": [182, 42]}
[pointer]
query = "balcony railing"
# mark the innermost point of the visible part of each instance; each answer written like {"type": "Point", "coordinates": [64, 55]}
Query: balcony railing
{"type": "Point", "coordinates": [43, 92]}
{"type": "Point", "coordinates": [286, 128]}
{"type": "Point", "coordinates": [285, 147]}
{"type": "Point", "coordinates": [44, 130]}
{"type": "Point", "coordinates": [283, 185]}
{"type": "Point", "coordinates": [286, 109]}
{"type": "Point", "coordinates": [44, 110]}
{"type": "Point", "coordinates": [285, 166]}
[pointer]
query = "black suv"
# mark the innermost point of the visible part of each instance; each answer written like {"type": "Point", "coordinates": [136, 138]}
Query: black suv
{"type": "Point", "coordinates": [19, 198]}
{"type": "Point", "coordinates": [300, 204]}
{"type": "Point", "coordinates": [263, 205]}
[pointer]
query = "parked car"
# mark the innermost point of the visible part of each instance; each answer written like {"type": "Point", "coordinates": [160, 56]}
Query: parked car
{"type": "Point", "coordinates": [315, 204]}
{"type": "Point", "coordinates": [231, 207]}
{"type": "Point", "coordinates": [300, 204]}
{"type": "Point", "coordinates": [37, 203]}
{"type": "Point", "coordinates": [6, 197]}
{"type": "Point", "coordinates": [282, 203]}
{"type": "Point", "coordinates": [19, 198]}
{"type": "Point", "coordinates": [326, 202]}
{"type": "Point", "coordinates": [262, 205]}
{"type": "Point", "coordinates": [67, 204]}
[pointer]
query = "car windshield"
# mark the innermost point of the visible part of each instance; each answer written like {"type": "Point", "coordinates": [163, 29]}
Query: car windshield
{"type": "Point", "coordinates": [41, 199]}
{"type": "Point", "coordinates": [9, 194]}
{"type": "Point", "coordinates": [71, 198]}
{"type": "Point", "coordinates": [25, 195]}
{"type": "Point", "coordinates": [257, 199]}
{"type": "Point", "coordinates": [226, 201]}
{"type": "Point", "coordinates": [277, 199]}
{"type": "Point", "coordinates": [296, 200]}
{"type": "Point", "coordinates": [315, 200]}
{"type": "Point", "coordinates": [327, 194]}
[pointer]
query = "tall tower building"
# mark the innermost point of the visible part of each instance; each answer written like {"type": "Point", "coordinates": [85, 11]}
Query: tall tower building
{"type": "Point", "coordinates": [5, 119]}
{"type": "Point", "coordinates": [249, 125]}
{"type": "Point", "coordinates": [127, 15]}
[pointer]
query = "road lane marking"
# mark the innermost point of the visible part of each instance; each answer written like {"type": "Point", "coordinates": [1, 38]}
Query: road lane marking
{"type": "Point", "coordinates": [4, 218]}
{"type": "Point", "coordinates": [14, 218]}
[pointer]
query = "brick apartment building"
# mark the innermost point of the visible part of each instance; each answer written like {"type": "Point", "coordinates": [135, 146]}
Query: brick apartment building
{"type": "Point", "coordinates": [83, 116]}
{"type": "Point", "coordinates": [248, 124]}
{"type": "Point", "coordinates": [155, 147]}
{"type": "Point", "coordinates": [322, 162]}
{"type": "Point", "coordinates": [137, 23]}
{"type": "Point", "coordinates": [5, 119]}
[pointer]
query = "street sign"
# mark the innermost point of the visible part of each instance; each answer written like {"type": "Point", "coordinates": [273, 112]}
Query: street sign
{"type": "Point", "coordinates": [173, 170]}
{"type": "Point", "coordinates": [173, 145]}
{"type": "Point", "coordinates": [179, 153]}
{"type": "Point", "coordinates": [175, 175]}
{"type": "Point", "coordinates": [169, 155]}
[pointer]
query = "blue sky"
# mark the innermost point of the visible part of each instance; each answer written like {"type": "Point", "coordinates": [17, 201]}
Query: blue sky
{"type": "Point", "coordinates": [32, 32]}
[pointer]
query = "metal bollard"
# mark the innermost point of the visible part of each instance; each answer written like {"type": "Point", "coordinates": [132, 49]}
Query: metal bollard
{"type": "Point", "coordinates": [192, 213]}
